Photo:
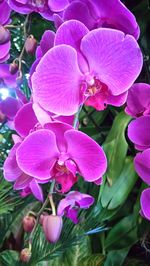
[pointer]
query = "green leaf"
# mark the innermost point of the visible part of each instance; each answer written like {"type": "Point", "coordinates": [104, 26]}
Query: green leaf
{"type": "Point", "coordinates": [8, 258]}
{"type": "Point", "coordinates": [92, 260]}
{"type": "Point", "coordinates": [115, 195]}
{"type": "Point", "coordinates": [116, 257]}
{"type": "Point", "coordinates": [116, 146]}
{"type": "Point", "coordinates": [122, 235]}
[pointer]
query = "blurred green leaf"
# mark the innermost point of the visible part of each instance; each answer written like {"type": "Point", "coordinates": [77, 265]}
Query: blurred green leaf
{"type": "Point", "coordinates": [8, 258]}
{"type": "Point", "coordinates": [122, 235]}
{"type": "Point", "coordinates": [93, 260]}
{"type": "Point", "coordinates": [116, 146]}
{"type": "Point", "coordinates": [115, 195]}
{"type": "Point", "coordinates": [116, 257]}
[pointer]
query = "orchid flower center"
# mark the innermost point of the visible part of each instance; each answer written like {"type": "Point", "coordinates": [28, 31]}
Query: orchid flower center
{"type": "Point", "coordinates": [94, 86]}
{"type": "Point", "coordinates": [61, 168]}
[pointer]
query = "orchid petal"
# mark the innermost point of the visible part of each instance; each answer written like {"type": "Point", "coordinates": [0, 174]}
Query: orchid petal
{"type": "Point", "coordinates": [59, 130]}
{"type": "Point", "coordinates": [138, 132]}
{"type": "Point", "coordinates": [138, 100]}
{"type": "Point", "coordinates": [71, 33]}
{"type": "Point", "coordinates": [142, 167]}
{"type": "Point", "coordinates": [87, 154]}
{"type": "Point", "coordinates": [36, 190]}
{"type": "Point", "coordinates": [145, 203]}
{"type": "Point", "coordinates": [56, 80]}
{"type": "Point", "coordinates": [11, 169]}
{"type": "Point", "coordinates": [25, 120]}
{"type": "Point", "coordinates": [115, 59]}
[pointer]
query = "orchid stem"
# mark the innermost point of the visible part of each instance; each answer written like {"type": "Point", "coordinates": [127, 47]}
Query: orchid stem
{"type": "Point", "coordinates": [51, 198]}
{"type": "Point", "coordinates": [9, 26]}
{"type": "Point", "coordinates": [52, 205]}
{"type": "Point", "coordinates": [76, 120]}
{"type": "Point", "coordinates": [23, 49]}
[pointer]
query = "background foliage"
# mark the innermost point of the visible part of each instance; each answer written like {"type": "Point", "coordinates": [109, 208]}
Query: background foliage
{"type": "Point", "coordinates": [111, 233]}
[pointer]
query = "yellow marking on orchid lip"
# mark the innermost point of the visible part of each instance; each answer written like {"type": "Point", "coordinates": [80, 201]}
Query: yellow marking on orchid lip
{"type": "Point", "coordinates": [62, 168]}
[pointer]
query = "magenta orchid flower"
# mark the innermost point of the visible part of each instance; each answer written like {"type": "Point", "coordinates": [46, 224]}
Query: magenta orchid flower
{"type": "Point", "coordinates": [102, 13]}
{"type": "Point", "coordinates": [145, 203]}
{"type": "Point", "coordinates": [59, 152]}
{"type": "Point", "coordinates": [24, 182]}
{"type": "Point", "coordinates": [138, 101]}
{"type": "Point", "coordinates": [73, 201]}
{"type": "Point", "coordinates": [4, 34]}
{"type": "Point", "coordinates": [97, 67]}
{"type": "Point", "coordinates": [46, 8]}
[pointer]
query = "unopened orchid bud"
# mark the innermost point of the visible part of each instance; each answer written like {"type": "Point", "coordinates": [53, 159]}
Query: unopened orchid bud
{"type": "Point", "coordinates": [4, 35]}
{"type": "Point", "coordinates": [28, 223]}
{"type": "Point", "coordinates": [13, 68]}
{"type": "Point", "coordinates": [52, 226]}
{"type": "Point", "coordinates": [25, 255]}
{"type": "Point", "coordinates": [30, 44]}
{"type": "Point", "coordinates": [42, 217]}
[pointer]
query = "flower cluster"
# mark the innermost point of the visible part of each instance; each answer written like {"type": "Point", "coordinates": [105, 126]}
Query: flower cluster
{"type": "Point", "coordinates": [138, 106]}
{"type": "Point", "coordinates": [93, 59]}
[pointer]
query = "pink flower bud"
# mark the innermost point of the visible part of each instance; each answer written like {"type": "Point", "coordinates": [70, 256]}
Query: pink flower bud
{"type": "Point", "coordinates": [52, 226]}
{"type": "Point", "coordinates": [25, 255]}
{"type": "Point", "coordinates": [42, 217]}
{"type": "Point", "coordinates": [4, 35]}
{"type": "Point", "coordinates": [13, 68]}
{"type": "Point", "coordinates": [28, 223]}
{"type": "Point", "coordinates": [30, 44]}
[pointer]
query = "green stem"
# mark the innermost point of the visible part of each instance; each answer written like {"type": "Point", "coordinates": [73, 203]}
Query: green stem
{"type": "Point", "coordinates": [13, 26]}
{"type": "Point", "coordinates": [76, 120]}
{"type": "Point", "coordinates": [23, 49]}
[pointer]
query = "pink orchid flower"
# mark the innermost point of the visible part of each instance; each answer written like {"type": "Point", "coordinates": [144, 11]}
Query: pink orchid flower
{"type": "Point", "coordinates": [96, 67]}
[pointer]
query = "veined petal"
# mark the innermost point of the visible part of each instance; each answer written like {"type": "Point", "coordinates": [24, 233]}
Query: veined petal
{"type": "Point", "coordinates": [115, 14]}
{"type": "Point", "coordinates": [36, 190]}
{"type": "Point", "coordinates": [25, 120]}
{"type": "Point", "coordinates": [71, 33]}
{"type": "Point", "coordinates": [59, 130]}
{"type": "Point", "coordinates": [22, 181]}
{"type": "Point", "coordinates": [5, 12]}
{"type": "Point", "coordinates": [47, 41]}
{"type": "Point", "coordinates": [80, 11]}
{"type": "Point", "coordinates": [11, 169]}
{"type": "Point", "coordinates": [38, 153]}
{"type": "Point", "coordinates": [138, 132]}
{"type": "Point", "coordinates": [142, 166]}
{"type": "Point", "coordinates": [87, 154]}
{"type": "Point", "coordinates": [114, 58]}
{"type": "Point", "coordinates": [56, 82]}
{"type": "Point", "coordinates": [138, 101]}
